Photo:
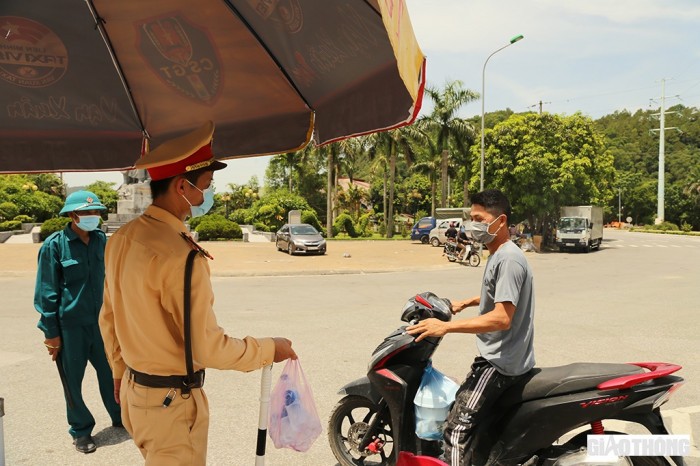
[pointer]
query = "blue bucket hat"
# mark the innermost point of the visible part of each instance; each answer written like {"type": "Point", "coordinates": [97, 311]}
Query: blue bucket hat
{"type": "Point", "coordinates": [82, 200]}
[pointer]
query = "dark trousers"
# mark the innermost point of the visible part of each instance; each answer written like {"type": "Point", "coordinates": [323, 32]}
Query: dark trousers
{"type": "Point", "coordinates": [473, 403]}
{"type": "Point", "coordinates": [80, 345]}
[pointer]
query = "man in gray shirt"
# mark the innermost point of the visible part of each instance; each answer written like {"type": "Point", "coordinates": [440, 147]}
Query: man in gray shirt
{"type": "Point", "coordinates": [504, 326]}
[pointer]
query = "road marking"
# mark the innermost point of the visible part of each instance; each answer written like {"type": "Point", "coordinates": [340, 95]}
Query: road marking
{"type": "Point", "coordinates": [634, 246]}
{"type": "Point", "coordinates": [648, 245]}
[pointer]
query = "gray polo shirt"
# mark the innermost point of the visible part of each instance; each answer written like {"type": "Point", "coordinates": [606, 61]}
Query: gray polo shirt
{"type": "Point", "coordinates": [508, 278]}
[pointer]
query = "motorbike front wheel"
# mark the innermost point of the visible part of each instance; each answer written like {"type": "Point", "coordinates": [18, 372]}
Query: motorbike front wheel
{"type": "Point", "coordinates": [474, 260]}
{"type": "Point", "coordinates": [348, 423]}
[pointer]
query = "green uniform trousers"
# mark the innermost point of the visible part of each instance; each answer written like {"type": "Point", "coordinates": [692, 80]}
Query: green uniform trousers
{"type": "Point", "coordinates": [78, 346]}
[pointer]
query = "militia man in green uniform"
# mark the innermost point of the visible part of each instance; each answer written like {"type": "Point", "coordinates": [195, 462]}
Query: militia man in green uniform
{"type": "Point", "coordinates": [68, 295]}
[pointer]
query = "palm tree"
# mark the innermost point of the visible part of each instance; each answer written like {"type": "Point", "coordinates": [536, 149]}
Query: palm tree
{"type": "Point", "coordinates": [447, 126]}
{"type": "Point", "coordinates": [352, 151]}
{"type": "Point", "coordinates": [430, 165]}
{"type": "Point", "coordinates": [334, 153]}
{"type": "Point", "coordinates": [380, 162]}
{"type": "Point", "coordinates": [290, 160]}
{"type": "Point", "coordinates": [393, 143]}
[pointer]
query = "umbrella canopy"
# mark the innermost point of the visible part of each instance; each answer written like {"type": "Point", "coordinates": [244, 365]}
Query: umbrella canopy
{"type": "Point", "coordinates": [85, 84]}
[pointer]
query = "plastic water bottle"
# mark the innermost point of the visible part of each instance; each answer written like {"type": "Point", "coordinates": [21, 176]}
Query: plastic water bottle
{"type": "Point", "coordinates": [293, 409]}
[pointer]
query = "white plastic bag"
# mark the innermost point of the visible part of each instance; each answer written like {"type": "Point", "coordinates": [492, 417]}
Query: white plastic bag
{"type": "Point", "coordinates": [294, 421]}
{"type": "Point", "coordinates": [432, 403]}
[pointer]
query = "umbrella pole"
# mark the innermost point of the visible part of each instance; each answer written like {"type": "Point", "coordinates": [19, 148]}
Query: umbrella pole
{"type": "Point", "coordinates": [2, 433]}
{"type": "Point", "coordinates": [265, 384]}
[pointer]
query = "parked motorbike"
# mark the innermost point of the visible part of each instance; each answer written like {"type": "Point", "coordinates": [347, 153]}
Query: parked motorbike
{"type": "Point", "coordinates": [470, 255]}
{"type": "Point", "coordinates": [375, 419]}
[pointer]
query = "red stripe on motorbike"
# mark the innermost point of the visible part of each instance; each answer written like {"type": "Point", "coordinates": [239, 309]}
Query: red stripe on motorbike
{"type": "Point", "coordinates": [391, 376]}
{"type": "Point", "coordinates": [422, 301]}
{"type": "Point", "coordinates": [658, 370]}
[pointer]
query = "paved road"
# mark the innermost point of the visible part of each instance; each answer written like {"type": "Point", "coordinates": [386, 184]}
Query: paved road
{"type": "Point", "coordinates": [619, 304]}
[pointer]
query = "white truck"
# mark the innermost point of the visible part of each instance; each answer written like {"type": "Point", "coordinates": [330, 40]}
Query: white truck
{"type": "Point", "coordinates": [580, 227]}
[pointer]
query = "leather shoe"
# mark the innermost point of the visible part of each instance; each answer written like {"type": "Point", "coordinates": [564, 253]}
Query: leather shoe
{"type": "Point", "coordinates": [85, 444]}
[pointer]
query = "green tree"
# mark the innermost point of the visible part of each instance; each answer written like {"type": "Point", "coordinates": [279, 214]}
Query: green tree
{"type": "Point", "coordinates": [49, 183]}
{"type": "Point", "coordinates": [106, 192]}
{"type": "Point", "coordinates": [447, 127]}
{"type": "Point", "coordinates": [272, 209]}
{"type": "Point", "coordinates": [393, 144]}
{"type": "Point", "coordinates": [334, 154]}
{"type": "Point", "coordinates": [352, 199]}
{"type": "Point", "coordinates": [543, 162]}
{"type": "Point", "coordinates": [636, 153]}
{"type": "Point", "coordinates": [412, 194]}
{"type": "Point", "coordinates": [288, 169]}
{"type": "Point", "coordinates": [28, 197]}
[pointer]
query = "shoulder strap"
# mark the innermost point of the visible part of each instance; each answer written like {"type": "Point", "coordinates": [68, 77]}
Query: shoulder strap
{"type": "Point", "coordinates": [187, 320]}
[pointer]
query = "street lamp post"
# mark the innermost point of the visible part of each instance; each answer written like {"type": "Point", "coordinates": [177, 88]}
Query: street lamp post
{"type": "Point", "coordinates": [619, 206]}
{"type": "Point", "coordinates": [226, 197]}
{"type": "Point", "coordinates": [483, 91]}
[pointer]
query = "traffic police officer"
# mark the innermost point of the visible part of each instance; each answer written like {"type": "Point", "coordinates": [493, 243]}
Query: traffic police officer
{"type": "Point", "coordinates": [142, 321]}
{"type": "Point", "coordinates": [68, 295]}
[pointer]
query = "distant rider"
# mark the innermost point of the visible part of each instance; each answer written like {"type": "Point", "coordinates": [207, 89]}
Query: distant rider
{"type": "Point", "coordinates": [451, 232]}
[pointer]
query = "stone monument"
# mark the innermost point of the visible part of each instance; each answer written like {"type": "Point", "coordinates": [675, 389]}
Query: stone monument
{"type": "Point", "coordinates": [134, 197]}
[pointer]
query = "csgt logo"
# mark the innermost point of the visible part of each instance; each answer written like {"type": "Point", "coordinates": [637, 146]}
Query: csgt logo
{"type": "Point", "coordinates": [603, 401]}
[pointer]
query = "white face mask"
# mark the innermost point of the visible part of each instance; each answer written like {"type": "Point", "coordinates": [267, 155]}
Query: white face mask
{"type": "Point", "coordinates": [480, 231]}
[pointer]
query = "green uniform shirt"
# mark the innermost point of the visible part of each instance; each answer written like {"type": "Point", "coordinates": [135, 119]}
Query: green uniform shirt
{"type": "Point", "coordinates": [69, 281]}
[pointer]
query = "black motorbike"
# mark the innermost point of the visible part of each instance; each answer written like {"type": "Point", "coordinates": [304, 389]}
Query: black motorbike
{"type": "Point", "coordinates": [375, 420]}
{"type": "Point", "coordinates": [470, 255]}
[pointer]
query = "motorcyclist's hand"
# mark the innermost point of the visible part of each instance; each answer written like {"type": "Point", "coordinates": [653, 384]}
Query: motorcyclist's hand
{"type": "Point", "coordinates": [54, 346]}
{"type": "Point", "coordinates": [428, 328]}
{"type": "Point", "coordinates": [458, 306]}
{"type": "Point", "coordinates": [283, 349]}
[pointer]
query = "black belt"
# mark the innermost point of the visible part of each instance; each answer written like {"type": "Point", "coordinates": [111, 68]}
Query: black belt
{"type": "Point", "coordinates": [169, 381]}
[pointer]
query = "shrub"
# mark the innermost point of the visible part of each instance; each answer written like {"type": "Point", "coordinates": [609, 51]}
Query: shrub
{"type": "Point", "coordinates": [309, 216]}
{"type": "Point", "coordinates": [218, 227]}
{"type": "Point", "coordinates": [363, 226]}
{"type": "Point", "coordinates": [195, 221]}
{"type": "Point", "coordinates": [259, 226]}
{"type": "Point", "coordinates": [8, 210]}
{"type": "Point", "coordinates": [241, 216]}
{"type": "Point", "coordinates": [663, 226]}
{"type": "Point", "coordinates": [24, 219]}
{"type": "Point", "coordinates": [686, 227]}
{"type": "Point", "coordinates": [53, 225]}
{"type": "Point", "coordinates": [10, 225]}
{"type": "Point", "coordinates": [344, 224]}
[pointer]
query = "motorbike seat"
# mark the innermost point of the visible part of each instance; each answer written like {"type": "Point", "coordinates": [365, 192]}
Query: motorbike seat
{"type": "Point", "coordinates": [551, 381]}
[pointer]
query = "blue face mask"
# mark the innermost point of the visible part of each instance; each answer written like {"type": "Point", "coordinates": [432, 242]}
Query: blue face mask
{"type": "Point", "coordinates": [88, 222]}
{"type": "Point", "coordinates": [203, 208]}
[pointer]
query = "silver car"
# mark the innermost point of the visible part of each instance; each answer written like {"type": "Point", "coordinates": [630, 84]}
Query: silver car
{"type": "Point", "coordinates": [300, 238]}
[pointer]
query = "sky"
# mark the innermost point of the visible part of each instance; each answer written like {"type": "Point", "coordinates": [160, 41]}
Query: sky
{"type": "Point", "coordinates": [589, 56]}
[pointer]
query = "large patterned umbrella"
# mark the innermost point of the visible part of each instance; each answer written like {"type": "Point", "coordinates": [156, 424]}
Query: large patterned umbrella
{"type": "Point", "coordinates": [89, 84]}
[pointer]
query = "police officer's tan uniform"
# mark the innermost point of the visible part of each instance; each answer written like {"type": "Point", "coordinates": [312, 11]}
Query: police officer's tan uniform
{"type": "Point", "coordinates": [142, 326]}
